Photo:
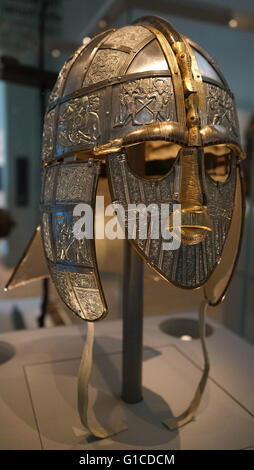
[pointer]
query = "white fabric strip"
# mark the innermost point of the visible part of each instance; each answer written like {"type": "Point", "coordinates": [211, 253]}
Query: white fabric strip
{"type": "Point", "coordinates": [87, 396]}
{"type": "Point", "coordinates": [188, 415]}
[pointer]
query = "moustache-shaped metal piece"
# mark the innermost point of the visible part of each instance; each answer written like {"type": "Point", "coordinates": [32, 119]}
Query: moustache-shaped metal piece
{"type": "Point", "coordinates": [193, 228]}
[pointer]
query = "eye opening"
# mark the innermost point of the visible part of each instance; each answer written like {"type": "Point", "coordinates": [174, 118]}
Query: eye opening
{"type": "Point", "coordinates": [152, 159]}
{"type": "Point", "coordinates": [218, 162]}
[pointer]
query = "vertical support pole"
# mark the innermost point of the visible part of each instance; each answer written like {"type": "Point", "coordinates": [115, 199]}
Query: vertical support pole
{"type": "Point", "coordinates": [44, 4]}
{"type": "Point", "coordinates": [133, 287]}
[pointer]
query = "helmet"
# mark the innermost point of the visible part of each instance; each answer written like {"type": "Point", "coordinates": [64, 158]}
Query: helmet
{"type": "Point", "coordinates": [154, 107]}
{"type": "Point", "coordinates": [140, 92]}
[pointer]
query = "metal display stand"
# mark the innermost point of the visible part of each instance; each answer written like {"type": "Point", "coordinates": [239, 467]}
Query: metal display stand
{"type": "Point", "coordinates": [132, 301]}
{"type": "Point", "coordinates": [133, 289]}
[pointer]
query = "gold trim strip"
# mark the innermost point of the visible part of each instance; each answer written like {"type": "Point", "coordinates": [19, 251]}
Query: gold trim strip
{"type": "Point", "coordinates": [197, 77]}
{"type": "Point", "coordinates": [176, 75]}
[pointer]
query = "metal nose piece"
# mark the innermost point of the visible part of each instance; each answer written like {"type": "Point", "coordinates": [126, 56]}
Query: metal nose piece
{"type": "Point", "coordinates": [195, 221]}
{"type": "Point", "coordinates": [190, 190]}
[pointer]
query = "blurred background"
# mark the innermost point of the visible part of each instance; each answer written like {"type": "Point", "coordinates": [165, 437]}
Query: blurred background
{"type": "Point", "coordinates": [36, 37]}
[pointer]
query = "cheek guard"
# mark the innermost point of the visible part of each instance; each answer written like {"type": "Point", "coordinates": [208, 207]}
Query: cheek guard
{"type": "Point", "coordinates": [71, 261]}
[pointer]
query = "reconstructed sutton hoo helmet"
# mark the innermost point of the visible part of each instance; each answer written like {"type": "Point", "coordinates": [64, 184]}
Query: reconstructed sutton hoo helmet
{"type": "Point", "coordinates": [152, 106]}
{"type": "Point", "coordinates": [145, 89]}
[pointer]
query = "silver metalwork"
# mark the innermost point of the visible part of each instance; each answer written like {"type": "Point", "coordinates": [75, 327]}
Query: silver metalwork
{"type": "Point", "coordinates": [132, 86]}
{"type": "Point", "coordinates": [72, 262]}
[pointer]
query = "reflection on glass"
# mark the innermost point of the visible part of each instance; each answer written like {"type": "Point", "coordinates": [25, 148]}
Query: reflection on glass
{"type": "Point", "coordinates": [158, 158]}
{"type": "Point", "coordinates": [218, 162]}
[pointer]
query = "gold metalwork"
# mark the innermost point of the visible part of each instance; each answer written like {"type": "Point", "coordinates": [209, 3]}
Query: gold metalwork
{"type": "Point", "coordinates": [190, 93]}
{"type": "Point", "coordinates": [176, 75]}
{"type": "Point", "coordinates": [197, 77]}
{"type": "Point", "coordinates": [168, 131]}
{"type": "Point", "coordinates": [184, 62]}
